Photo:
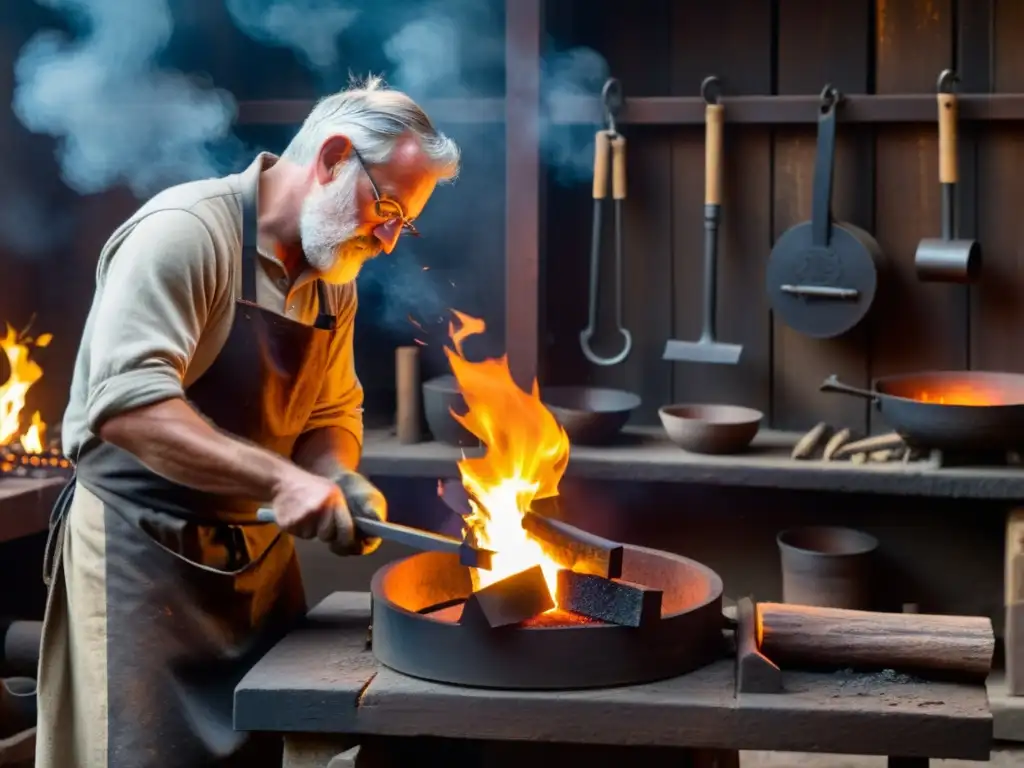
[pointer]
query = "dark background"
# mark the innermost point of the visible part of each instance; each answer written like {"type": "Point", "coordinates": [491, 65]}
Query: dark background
{"type": "Point", "coordinates": [944, 555]}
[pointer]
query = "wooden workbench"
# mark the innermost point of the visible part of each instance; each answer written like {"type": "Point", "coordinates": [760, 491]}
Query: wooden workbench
{"type": "Point", "coordinates": [25, 505]}
{"type": "Point", "coordinates": [320, 687]}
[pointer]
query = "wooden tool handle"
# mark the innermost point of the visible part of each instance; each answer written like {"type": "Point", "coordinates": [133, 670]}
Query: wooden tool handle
{"type": "Point", "coordinates": [948, 173]}
{"type": "Point", "coordinates": [714, 119]}
{"type": "Point", "coordinates": [619, 168]}
{"type": "Point", "coordinates": [601, 165]}
{"type": "Point", "coordinates": [802, 634]}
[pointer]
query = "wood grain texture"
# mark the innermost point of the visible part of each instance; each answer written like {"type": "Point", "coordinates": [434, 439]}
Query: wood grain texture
{"type": "Point", "coordinates": [805, 635]}
{"type": "Point", "coordinates": [319, 680]}
{"type": "Point", "coordinates": [915, 325]}
{"type": "Point", "coordinates": [820, 44]}
{"type": "Point", "coordinates": [647, 211]}
{"type": "Point", "coordinates": [997, 310]}
{"type": "Point", "coordinates": [733, 41]}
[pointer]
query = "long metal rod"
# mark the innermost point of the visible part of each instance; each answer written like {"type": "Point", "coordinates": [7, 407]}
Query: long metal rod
{"type": "Point", "coordinates": [425, 541]}
{"type": "Point", "coordinates": [782, 110]}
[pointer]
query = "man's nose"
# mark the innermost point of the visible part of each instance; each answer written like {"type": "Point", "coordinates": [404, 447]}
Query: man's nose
{"type": "Point", "coordinates": [388, 233]}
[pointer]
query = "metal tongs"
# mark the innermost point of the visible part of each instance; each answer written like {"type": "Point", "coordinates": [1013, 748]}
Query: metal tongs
{"type": "Point", "coordinates": [607, 142]}
{"type": "Point", "coordinates": [469, 554]}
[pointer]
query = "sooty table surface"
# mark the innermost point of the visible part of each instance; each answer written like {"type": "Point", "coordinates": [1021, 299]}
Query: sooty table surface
{"type": "Point", "coordinates": [25, 505]}
{"type": "Point", "coordinates": [646, 455]}
{"type": "Point", "coordinates": [321, 680]}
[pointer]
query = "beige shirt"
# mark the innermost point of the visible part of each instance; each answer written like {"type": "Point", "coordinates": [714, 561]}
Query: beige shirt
{"type": "Point", "coordinates": [166, 287]}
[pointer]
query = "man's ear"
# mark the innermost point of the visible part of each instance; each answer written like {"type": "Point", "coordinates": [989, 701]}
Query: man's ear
{"type": "Point", "coordinates": [333, 152]}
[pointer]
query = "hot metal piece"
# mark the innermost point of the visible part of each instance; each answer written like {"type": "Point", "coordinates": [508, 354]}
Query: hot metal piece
{"type": "Point", "coordinates": [615, 601]}
{"type": "Point", "coordinates": [416, 634]}
{"type": "Point", "coordinates": [755, 672]}
{"type": "Point", "coordinates": [575, 549]}
{"type": "Point", "coordinates": [509, 601]}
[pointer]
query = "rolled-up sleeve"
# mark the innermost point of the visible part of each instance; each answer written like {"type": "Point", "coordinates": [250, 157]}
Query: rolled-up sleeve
{"type": "Point", "coordinates": [340, 403]}
{"type": "Point", "coordinates": [157, 295]}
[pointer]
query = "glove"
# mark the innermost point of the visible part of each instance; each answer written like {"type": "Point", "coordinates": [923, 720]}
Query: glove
{"type": "Point", "coordinates": [364, 500]}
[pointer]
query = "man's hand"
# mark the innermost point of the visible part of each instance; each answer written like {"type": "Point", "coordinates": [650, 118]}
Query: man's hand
{"type": "Point", "coordinates": [366, 501]}
{"type": "Point", "coordinates": [308, 506]}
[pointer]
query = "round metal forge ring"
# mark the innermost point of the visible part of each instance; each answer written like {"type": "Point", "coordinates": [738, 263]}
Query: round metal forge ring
{"type": "Point", "coordinates": [409, 638]}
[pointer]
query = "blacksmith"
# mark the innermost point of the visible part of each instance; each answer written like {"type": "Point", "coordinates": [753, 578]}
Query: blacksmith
{"type": "Point", "coordinates": [215, 375]}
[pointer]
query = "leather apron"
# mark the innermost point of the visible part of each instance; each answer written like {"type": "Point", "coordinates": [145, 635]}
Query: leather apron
{"type": "Point", "coordinates": [194, 593]}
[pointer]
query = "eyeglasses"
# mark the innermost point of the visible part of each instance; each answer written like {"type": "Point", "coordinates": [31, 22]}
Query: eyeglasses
{"type": "Point", "coordinates": [386, 208]}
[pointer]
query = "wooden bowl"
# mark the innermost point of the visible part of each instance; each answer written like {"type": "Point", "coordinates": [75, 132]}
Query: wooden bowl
{"type": "Point", "coordinates": [713, 429]}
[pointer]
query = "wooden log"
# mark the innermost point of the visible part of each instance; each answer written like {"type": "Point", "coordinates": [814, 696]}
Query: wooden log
{"type": "Point", "coordinates": [791, 635]}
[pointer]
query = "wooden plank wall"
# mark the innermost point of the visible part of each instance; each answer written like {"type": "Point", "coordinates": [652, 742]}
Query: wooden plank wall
{"type": "Point", "coordinates": [886, 181]}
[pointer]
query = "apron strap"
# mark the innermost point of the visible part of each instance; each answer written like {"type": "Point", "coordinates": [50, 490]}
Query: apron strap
{"type": "Point", "coordinates": [249, 252]}
{"type": "Point", "coordinates": [55, 536]}
{"type": "Point", "coordinates": [325, 319]}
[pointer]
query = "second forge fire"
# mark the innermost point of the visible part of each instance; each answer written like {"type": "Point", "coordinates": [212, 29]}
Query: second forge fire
{"type": "Point", "coordinates": [24, 449]}
{"type": "Point", "coordinates": [526, 453]}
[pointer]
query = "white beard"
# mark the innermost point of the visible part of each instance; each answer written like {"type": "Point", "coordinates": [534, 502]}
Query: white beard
{"type": "Point", "coordinates": [326, 225]}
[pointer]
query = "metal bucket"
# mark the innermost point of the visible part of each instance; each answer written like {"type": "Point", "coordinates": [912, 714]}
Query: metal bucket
{"type": "Point", "coordinates": [827, 566]}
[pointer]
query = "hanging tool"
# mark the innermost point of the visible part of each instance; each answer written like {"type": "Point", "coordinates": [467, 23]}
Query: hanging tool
{"type": "Point", "coordinates": [948, 259]}
{"type": "Point", "coordinates": [822, 274]}
{"type": "Point", "coordinates": [607, 141]}
{"type": "Point", "coordinates": [469, 555]}
{"type": "Point", "coordinates": [707, 349]}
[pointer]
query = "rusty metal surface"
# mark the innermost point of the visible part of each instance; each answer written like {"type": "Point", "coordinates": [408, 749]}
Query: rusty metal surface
{"type": "Point", "coordinates": [554, 651]}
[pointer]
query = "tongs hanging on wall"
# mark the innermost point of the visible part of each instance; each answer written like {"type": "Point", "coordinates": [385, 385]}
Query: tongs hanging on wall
{"type": "Point", "coordinates": [609, 144]}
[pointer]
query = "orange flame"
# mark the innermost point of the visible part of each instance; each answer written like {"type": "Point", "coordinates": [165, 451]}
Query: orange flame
{"type": "Point", "coordinates": [526, 455]}
{"type": "Point", "coordinates": [24, 373]}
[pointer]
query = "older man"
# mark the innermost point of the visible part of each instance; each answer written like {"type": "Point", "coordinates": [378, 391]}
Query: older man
{"type": "Point", "coordinates": [215, 375]}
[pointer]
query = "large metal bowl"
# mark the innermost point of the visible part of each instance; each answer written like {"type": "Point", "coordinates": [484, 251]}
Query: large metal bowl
{"type": "Point", "coordinates": [714, 429]}
{"type": "Point", "coordinates": [590, 415]}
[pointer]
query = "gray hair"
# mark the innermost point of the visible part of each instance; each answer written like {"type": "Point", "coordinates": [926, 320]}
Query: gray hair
{"type": "Point", "coordinates": [373, 117]}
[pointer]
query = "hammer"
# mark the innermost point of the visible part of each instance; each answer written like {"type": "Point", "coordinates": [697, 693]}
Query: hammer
{"type": "Point", "coordinates": [469, 555]}
{"type": "Point", "coordinates": [948, 259]}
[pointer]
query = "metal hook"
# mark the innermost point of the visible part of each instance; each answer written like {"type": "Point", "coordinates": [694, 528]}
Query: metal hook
{"type": "Point", "coordinates": [830, 98]}
{"type": "Point", "coordinates": [947, 79]}
{"type": "Point", "coordinates": [611, 99]}
{"type": "Point", "coordinates": [711, 89]}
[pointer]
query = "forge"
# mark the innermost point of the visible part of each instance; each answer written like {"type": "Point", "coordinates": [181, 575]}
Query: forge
{"type": "Point", "coordinates": [420, 628]}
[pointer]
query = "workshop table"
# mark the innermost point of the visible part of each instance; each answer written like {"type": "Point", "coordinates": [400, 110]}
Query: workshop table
{"type": "Point", "coordinates": [323, 691]}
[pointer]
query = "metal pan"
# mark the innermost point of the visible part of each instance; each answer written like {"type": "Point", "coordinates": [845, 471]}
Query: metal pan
{"type": "Point", "coordinates": [949, 410]}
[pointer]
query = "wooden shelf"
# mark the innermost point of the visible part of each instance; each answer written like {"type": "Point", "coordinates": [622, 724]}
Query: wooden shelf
{"type": "Point", "coordinates": [645, 455]}
{"type": "Point", "coordinates": [294, 111]}
{"type": "Point", "coordinates": [789, 110]}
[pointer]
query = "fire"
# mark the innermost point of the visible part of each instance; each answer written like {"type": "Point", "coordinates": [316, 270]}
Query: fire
{"type": "Point", "coordinates": [24, 373]}
{"type": "Point", "coordinates": [961, 395]}
{"type": "Point", "coordinates": [526, 455]}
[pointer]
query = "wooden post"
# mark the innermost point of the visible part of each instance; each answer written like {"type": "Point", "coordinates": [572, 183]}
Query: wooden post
{"type": "Point", "coordinates": [523, 31]}
{"type": "Point", "coordinates": [1013, 586]}
{"type": "Point", "coordinates": [407, 388]}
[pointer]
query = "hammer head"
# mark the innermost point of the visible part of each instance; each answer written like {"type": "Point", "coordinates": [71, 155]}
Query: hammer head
{"type": "Point", "coordinates": [948, 261]}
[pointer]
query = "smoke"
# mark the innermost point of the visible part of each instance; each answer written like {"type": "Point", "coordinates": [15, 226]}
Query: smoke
{"type": "Point", "coordinates": [310, 28]}
{"type": "Point", "coordinates": [117, 117]}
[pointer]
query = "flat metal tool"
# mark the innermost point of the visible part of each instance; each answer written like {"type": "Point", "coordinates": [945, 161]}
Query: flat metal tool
{"type": "Point", "coordinates": [469, 556]}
